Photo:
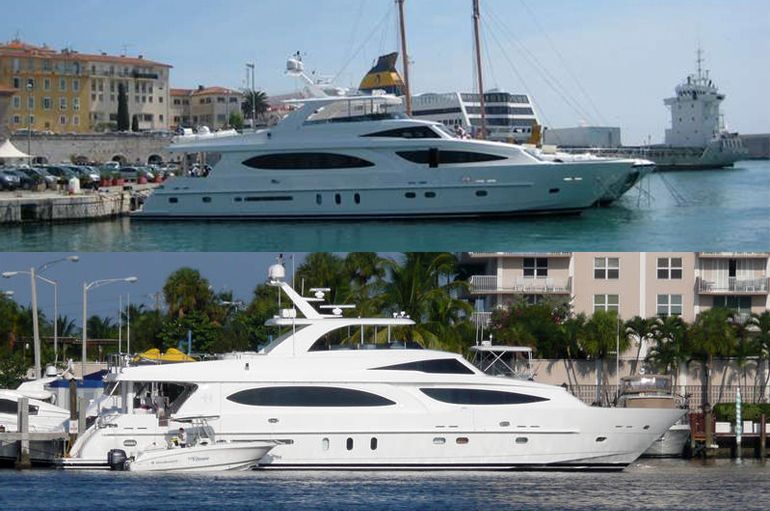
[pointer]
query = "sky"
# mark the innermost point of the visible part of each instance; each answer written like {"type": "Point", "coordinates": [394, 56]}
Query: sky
{"type": "Point", "coordinates": [238, 272]}
{"type": "Point", "coordinates": [598, 62]}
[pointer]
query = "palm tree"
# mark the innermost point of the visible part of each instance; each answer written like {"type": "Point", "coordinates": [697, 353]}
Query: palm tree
{"type": "Point", "coordinates": [254, 98]}
{"type": "Point", "coordinates": [671, 348]}
{"type": "Point", "coordinates": [324, 270]}
{"type": "Point", "coordinates": [712, 335]}
{"type": "Point", "coordinates": [761, 323]}
{"type": "Point", "coordinates": [186, 291]}
{"type": "Point", "coordinates": [639, 330]}
{"type": "Point", "coordinates": [601, 337]}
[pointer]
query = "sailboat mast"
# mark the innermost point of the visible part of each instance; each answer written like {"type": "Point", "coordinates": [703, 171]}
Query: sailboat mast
{"type": "Point", "coordinates": [483, 133]}
{"type": "Point", "coordinates": [404, 57]}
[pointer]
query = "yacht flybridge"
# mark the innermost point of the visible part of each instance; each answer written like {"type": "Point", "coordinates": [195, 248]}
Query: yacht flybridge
{"type": "Point", "coordinates": [365, 406]}
{"type": "Point", "coordinates": [361, 157]}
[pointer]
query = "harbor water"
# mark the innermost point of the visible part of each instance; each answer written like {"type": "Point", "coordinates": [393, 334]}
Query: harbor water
{"type": "Point", "coordinates": [706, 210]}
{"type": "Point", "coordinates": [647, 484]}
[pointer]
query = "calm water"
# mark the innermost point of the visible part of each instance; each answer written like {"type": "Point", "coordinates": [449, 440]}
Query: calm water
{"type": "Point", "coordinates": [712, 210]}
{"type": "Point", "coordinates": [675, 484]}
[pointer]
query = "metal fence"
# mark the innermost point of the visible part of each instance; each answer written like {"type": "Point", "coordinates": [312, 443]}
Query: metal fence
{"type": "Point", "coordinates": [605, 395]}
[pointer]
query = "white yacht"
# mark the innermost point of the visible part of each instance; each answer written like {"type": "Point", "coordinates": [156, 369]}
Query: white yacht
{"type": "Point", "coordinates": [359, 157]}
{"type": "Point", "coordinates": [43, 416]}
{"type": "Point", "coordinates": [380, 406]}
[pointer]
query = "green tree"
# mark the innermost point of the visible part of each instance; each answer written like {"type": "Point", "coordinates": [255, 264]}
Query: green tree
{"type": "Point", "coordinates": [601, 339]}
{"type": "Point", "coordinates": [123, 116]}
{"type": "Point", "coordinates": [324, 270]}
{"type": "Point", "coordinates": [761, 322]}
{"type": "Point", "coordinates": [671, 348]}
{"type": "Point", "coordinates": [712, 335]}
{"type": "Point", "coordinates": [638, 330]}
{"type": "Point", "coordinates": [254, 98]}
{"type": "Point", "coordinates": [203, 331]}
{"type": "Point", "coordinates": [186, 291]}
{"type": "Point", "coordinates": [135, 123]}
{"type": "Point", "coordinates": [13, 367]}
{"type": "Point", "coordinates": [236, 120]}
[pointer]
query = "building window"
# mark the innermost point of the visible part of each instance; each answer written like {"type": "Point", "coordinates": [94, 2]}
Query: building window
{"type": "Point", "coordinates": [17, 119]}
{"type": "Point", "coordinates": [669, 305]}
{"type": "Point", "coordinates": [669, 268]}
{"type": "Point", "coordinates": [76, 103]}
{"type": "Point", "coordinates": [535, 267]}
{"type": "Point", "coordinates": [47, 103]}
{"type": "Point", "coordinates": [62, 84]}
{"type": "Point", "coordinates": [63, 120]}
{"type": "Point", "coordinates": [76, 120]}
{"type": "Point", "coordinates": [47, 84]}
{"type": "Point", "coordinates": [75, 85]}
{"type": "Point", "coordinates": [739, 304]}
{"type": "Point", "coordinates": [62, 103]}
{"type": "Point", "coordinates": [606, 268]}
{"type": "Point", "coordinates": [17, 102]}
{"type": "Point", "coordinates": [606, 303]}
{"type": "Point", "coordinates": [31, 103]}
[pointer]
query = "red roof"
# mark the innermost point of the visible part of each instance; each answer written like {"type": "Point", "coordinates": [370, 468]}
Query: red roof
{"type": "Point", "coordinates": [203, 91]}
{"type": "Point", "coordinates": [17, 47]}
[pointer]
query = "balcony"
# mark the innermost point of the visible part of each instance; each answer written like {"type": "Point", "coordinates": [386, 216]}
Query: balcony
{"type": "Point", "coordinates": [144, 74]}
{"type": "Point", "coordinates": [486, 255]}
{"type": "Point", "coordinates": [732, 286]}
{"type": "Point", "coordinates": [488, 284]}
{"type": "Point", "coordinates": [733, 255]}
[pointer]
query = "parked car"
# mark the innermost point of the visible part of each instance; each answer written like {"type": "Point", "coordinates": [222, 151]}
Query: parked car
{"type": "Point", "coordinates": [43, 175]}
{"type": "Point", "coordinates": [89, 177]}
{"type": "Point", "coordinates": [61, 173]}
{"type": "Point", "coordinates": [136, 171]}
{"type": "Point", "coordinates": [25, 182]}
{"type": "Point", "coordinates": [9, 181]}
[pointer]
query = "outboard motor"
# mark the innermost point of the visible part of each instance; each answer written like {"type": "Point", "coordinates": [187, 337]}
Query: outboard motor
{"type": "Point", "coordinates": [116, 459]}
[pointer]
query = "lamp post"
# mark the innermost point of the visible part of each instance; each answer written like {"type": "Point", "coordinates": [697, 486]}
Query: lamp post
{"type": "Point", "coordinates": [250, 66]}
{"type": "Point", "coordinates": [29, 126]}
{"type": "Point", "coordinates": [33, 276]}
{"type": "Point", "coordinates": [86, 287]}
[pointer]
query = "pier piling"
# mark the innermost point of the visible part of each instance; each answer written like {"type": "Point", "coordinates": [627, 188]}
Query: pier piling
{"type": "Point", "coordinates": [23, 461]}
{"type": "Point", "coordinates": [762, 437]}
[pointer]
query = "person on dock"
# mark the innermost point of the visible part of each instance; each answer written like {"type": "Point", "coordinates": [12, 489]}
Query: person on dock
{"type": "Point", "coordinates": [182, 437]}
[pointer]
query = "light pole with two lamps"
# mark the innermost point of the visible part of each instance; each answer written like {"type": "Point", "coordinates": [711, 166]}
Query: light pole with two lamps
{"type": "Point", "coordinates": [33, 276]}
{"type": "Point", "coordinates": [86, 287]}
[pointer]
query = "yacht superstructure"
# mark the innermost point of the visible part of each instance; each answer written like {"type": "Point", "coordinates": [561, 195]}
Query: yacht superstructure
{"type": "Point", "coordinates": [358, 157]}
{"type": "Point", "coordinates": [380, 406]}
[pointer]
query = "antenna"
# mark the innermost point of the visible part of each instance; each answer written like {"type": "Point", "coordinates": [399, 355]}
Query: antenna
{"type": "Point", "coordinates": [699, 61]}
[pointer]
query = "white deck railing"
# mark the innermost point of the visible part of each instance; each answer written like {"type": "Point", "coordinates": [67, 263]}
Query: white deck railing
{"type": "Point", "coordinates": [490, 284]}
{"type": "Point", "coordinates": [733, 285]}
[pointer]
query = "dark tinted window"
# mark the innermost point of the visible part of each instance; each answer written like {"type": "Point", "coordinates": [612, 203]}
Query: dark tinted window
{"type": "Point", "coordinates": [12, 407]}
{"type": "Point", "coordinates": [308, 396]}
{"type": "Point", "coordinates": [479, 397]}
{"type": "Point", "coordinates": [446, 157]}
{"type": "Point", "coordinates": [411, 132]}
{"type": "Point", "coordinates": [442, 365]}
{"type": "Point", "coordinates": [303, 161]}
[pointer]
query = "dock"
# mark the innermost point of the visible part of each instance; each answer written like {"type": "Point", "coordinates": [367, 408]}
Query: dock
{"type": "Point", "coordinates": [25, 448]}
{"type": "Point", "coordinates": [725, 443]}
{"type": "Point", "coordinates": [51, 206]}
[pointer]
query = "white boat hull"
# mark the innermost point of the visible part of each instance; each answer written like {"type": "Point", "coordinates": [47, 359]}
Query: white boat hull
{"type": "Point", "coordinates": [671, 444]}
{"type": "Point", "coordinates": [206, 458]}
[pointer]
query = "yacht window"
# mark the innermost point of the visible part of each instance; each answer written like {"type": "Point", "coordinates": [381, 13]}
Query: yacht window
{"type": "Point", "coordinates": [337, 198]}
{"type": "Point", "coordinates": [270, 198]}
{"type": "Point", "coordinates": [349, 444]}
{"type": "Point", "coordinates": [410, 195]}
{"type": "Point", "coordinates": [173, 200]}
{"type": "Point", "coordinates": [357, 198]}
{"type": "Point", "coordinates": [306, 161]}
{"type": "Point", "coordinates": [439, 440]}
{"type": "Point", "coordinates": [448, 157]}
{"type": "Point", "coordinates": [460, 396]}
{"type": "Point", "coordinates": [521, 440]}
{"type": "Point", "coordinates": [12, 407]}
{"type": "Point", "coordinates": [318, 199]}
{"type": "Point", "coordinates": [373, 444]}
{"type": "Point", "coordinates": [410, 132]}
{"type": "Point", "coordinates": [325, 444]}
{"type": "Point", "coordinates": [308, 396]}
{"type": "Point", "coordinates": [206, 199]}
{"type": "Point", "coordinates": [481, 193]}
{"type": "Point", "coordinates": [430, 195]}
{"type": "Point", "coordinates": [439, 366]}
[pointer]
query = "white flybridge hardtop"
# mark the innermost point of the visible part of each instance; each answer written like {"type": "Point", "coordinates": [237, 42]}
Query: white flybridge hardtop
{"type": "Point", "coordinates": [361, 157]}
{"type": "Point", "coordinates": [365, 406]}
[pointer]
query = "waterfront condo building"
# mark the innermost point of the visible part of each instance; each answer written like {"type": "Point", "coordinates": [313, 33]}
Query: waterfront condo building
{"type": "Point", "coordinates": [71, 92]}
{"type": "Point", "coordinates": [642, 284]}
{"type": "Point", "coordinates": [204, 106]}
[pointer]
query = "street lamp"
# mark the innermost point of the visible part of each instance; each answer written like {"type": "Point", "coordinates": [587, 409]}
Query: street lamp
{"type": "Point", "coordinates": [251, 65]}
{"type": "Point", "coordinates": [86, 287]}
{"type": "Point", "coordinates": [33, 276]}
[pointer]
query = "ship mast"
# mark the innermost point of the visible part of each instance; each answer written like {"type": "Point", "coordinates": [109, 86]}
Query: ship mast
{"type": "Point", "coordinates": [405, 57]}
{"type": "Point", "coordinates": [483, 133]}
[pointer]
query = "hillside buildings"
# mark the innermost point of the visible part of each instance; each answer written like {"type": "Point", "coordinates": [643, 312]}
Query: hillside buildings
{"type": "Point", "coordinates": [642, 284]}
{"type": "Point", "coordinates": [204, 106]}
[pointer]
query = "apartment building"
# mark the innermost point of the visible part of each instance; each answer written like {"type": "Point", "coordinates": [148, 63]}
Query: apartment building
{"type": "Point", "coordinates": [642, 284]}
{"type": "Point", "coordinates": [71, 92]}
{"type": "Point", "coordinates": [204, 106]}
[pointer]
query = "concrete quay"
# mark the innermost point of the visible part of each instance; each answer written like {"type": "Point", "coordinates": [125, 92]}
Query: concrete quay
{"type": "Point", "coordinates": [41, 207]}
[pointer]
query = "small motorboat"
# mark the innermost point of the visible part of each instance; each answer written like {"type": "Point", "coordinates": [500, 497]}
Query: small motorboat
{"type": "Point", "coordinates": [202, 454]}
